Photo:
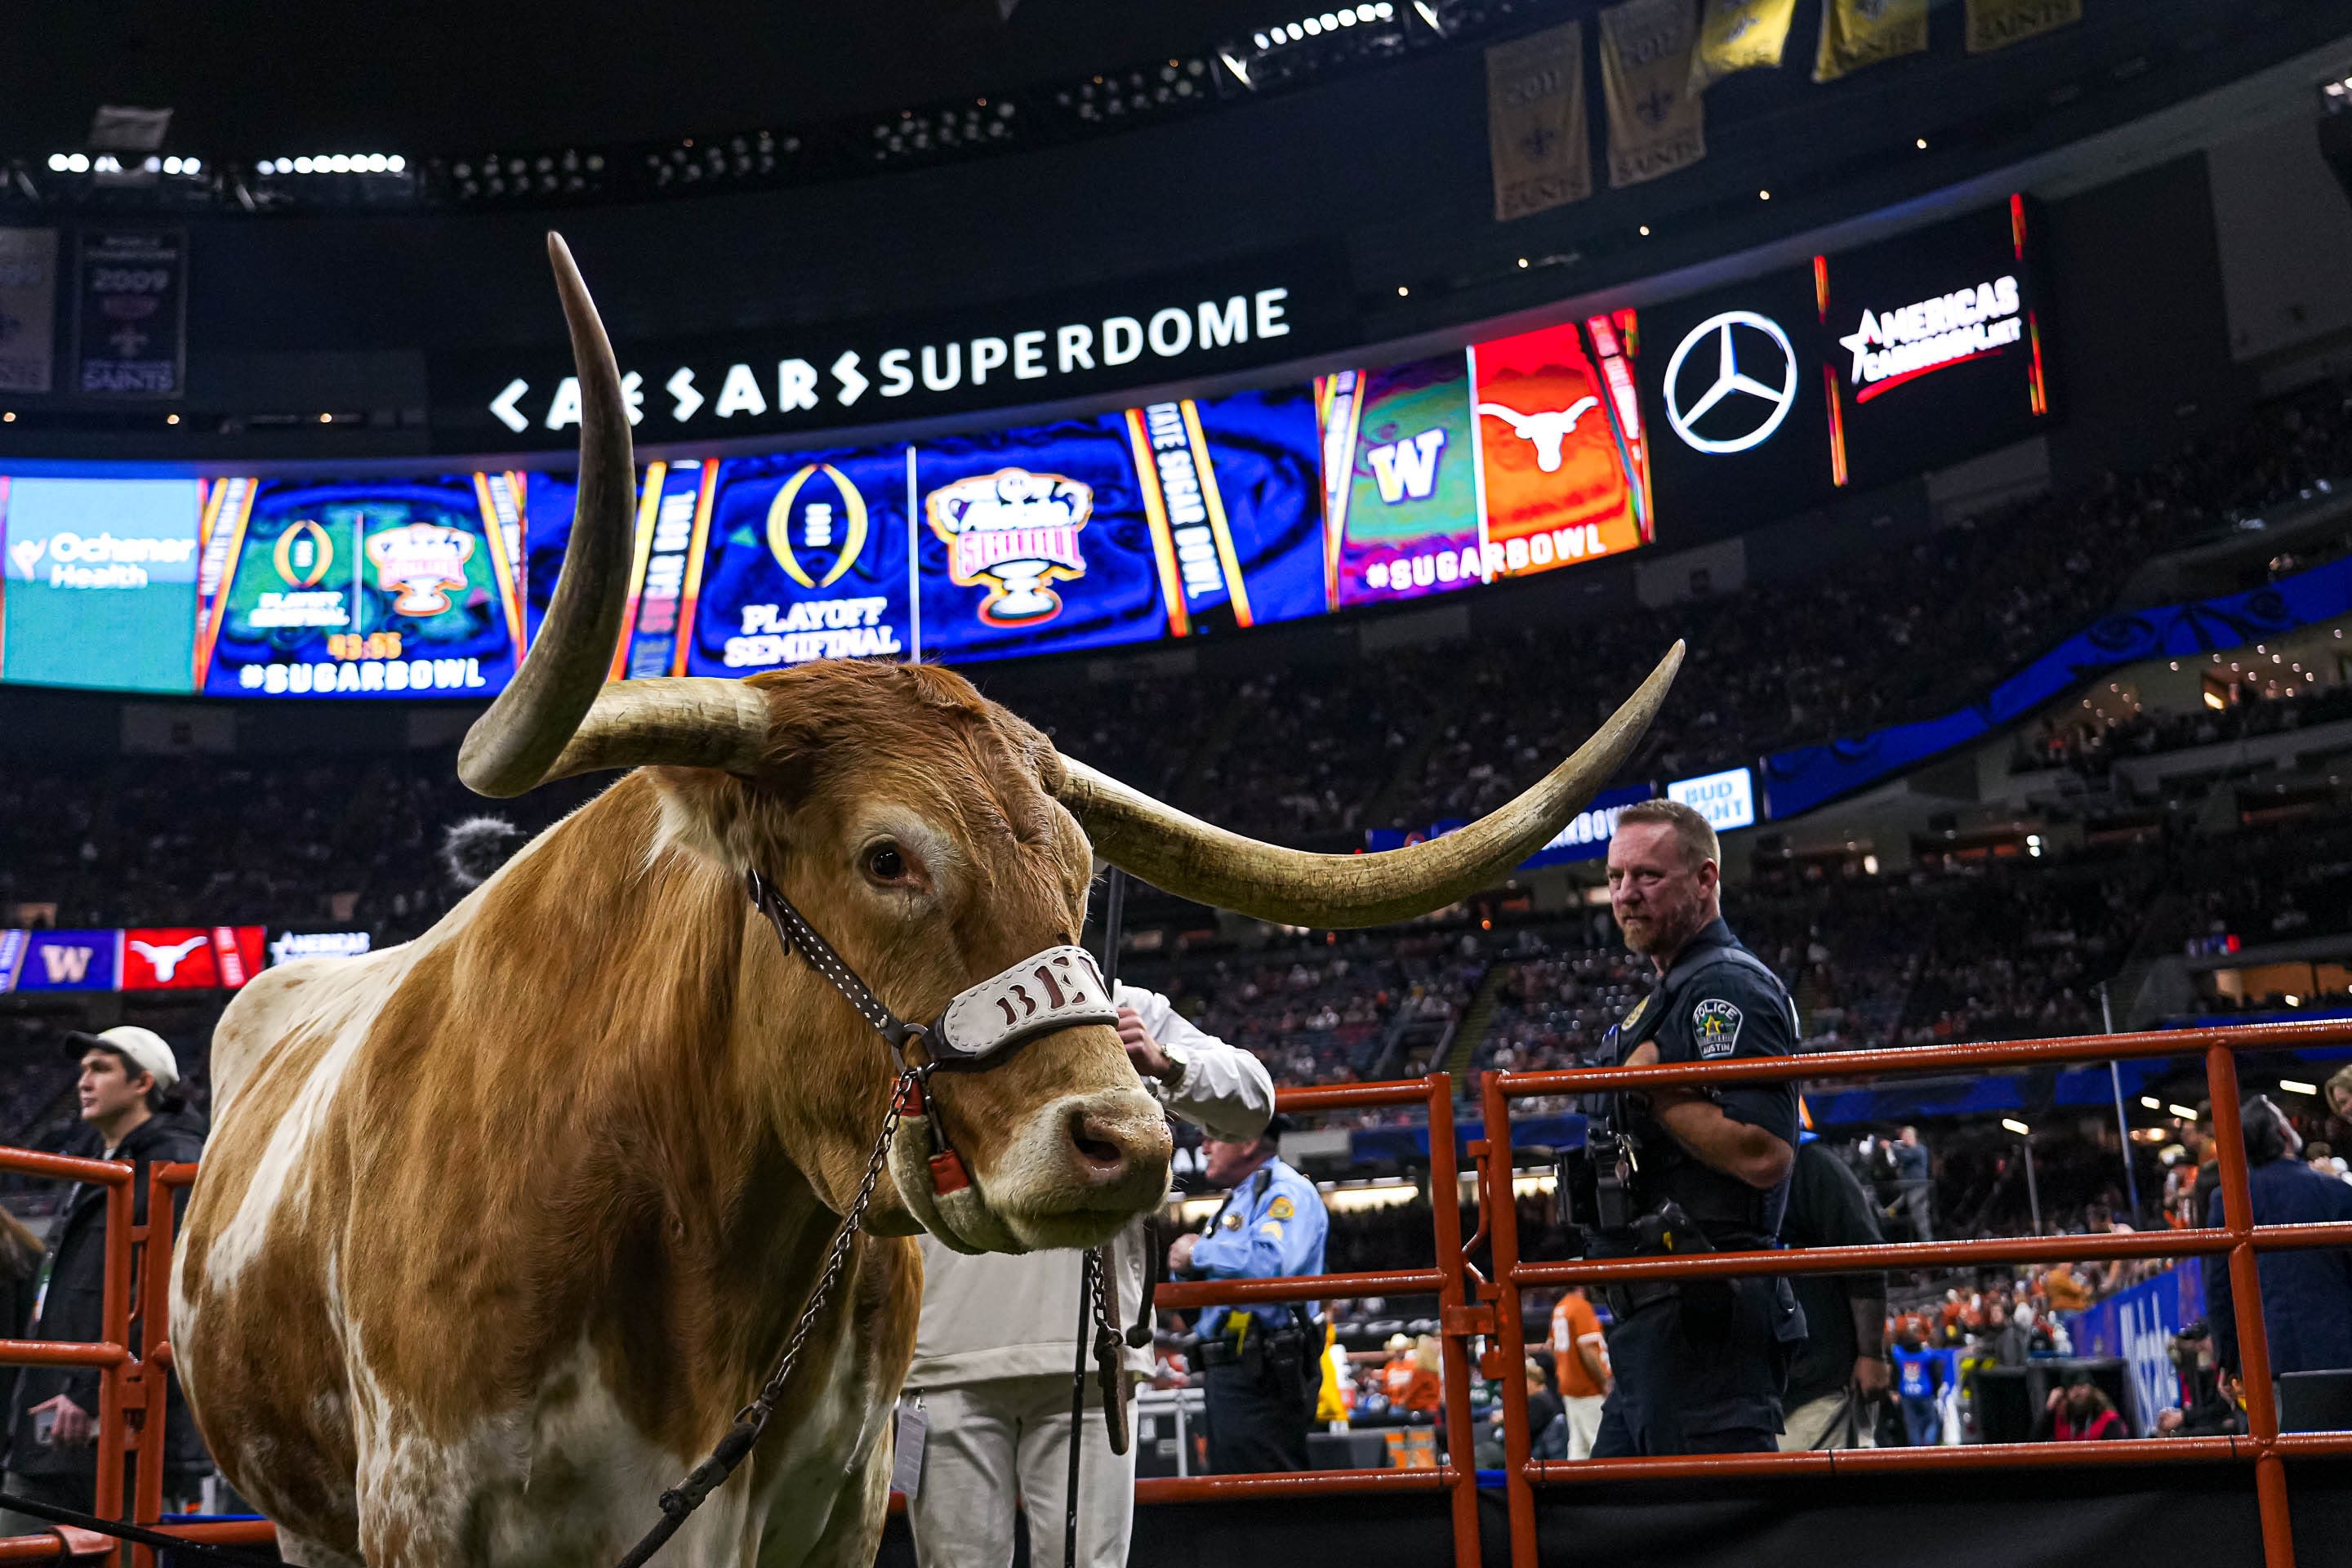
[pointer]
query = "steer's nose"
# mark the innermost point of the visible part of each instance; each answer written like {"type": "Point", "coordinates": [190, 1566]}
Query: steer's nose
{"type": "Point", "coordinates": [1118, 1141]}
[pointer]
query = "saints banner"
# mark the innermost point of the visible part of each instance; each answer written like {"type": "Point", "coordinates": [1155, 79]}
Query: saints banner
{"type": "Point", "coordinates": [1858, 33]}
{"type": "Point", "coordinates": [1534, 121]}
{"type": "Point", "coordinates": [1740, 35]}
{"type": "Point", "coordinates": [1995, 24]}
{"type": "Point", "coordinates": [29, 305]}
{"type": "Point", "coordinates": [1656, 124]}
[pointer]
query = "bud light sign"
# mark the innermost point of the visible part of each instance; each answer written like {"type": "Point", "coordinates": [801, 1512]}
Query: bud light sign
{"type": "Point", "coordinates": [1727, 799]}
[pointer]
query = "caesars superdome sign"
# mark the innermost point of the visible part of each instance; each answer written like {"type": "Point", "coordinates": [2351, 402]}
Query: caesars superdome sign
{"type": "Point", "coordinates": [1075, 344]}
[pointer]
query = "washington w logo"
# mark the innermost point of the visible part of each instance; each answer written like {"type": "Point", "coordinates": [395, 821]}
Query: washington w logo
{"type": "Point", "coordinates": [1407, 471]}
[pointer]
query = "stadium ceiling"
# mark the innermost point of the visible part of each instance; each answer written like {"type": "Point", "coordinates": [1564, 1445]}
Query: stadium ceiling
{"type": "Point", "coordinates": [247, 81]}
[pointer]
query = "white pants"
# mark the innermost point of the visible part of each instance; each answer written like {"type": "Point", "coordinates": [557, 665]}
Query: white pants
{"type": "Point", "coordinates": [1583, 1422]}
{"type": "Point", "coordinates": [1821, 1424]}
{"type": "Point", "coordinates": [988, 1443]}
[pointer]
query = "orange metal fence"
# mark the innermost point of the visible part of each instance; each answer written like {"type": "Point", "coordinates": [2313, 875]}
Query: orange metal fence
{"type": "Point", "coordinates": [2239, 1240]}
{"type": "Point", "coordinates": [1473, 1306]}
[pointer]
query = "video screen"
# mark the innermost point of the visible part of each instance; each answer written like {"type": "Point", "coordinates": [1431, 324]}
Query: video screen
{"type": "Point", "coordinates": [1735, 402]}
{"type": "Point", "coordinates": [806, 559]}
{"type": "Point", "coordinates": [1933, 343]}
{"type": "Point", "coordinates": [367, 588]}
{"type": "Point", "coordinates": [99, 582]}
{"type": "Point", "coordinates": [1522, 454]}
{"type": "Point", "coordinates": [1383, 484]}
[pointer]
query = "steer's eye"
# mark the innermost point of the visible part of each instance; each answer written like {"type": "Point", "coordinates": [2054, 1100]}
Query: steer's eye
{"type": "Point", "coordinates": [885, 863]}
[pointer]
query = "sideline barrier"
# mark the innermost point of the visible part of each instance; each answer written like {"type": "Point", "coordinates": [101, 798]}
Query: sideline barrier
{"type": "Point", "coordinates": [2240, 1239]}
{"type": "Point", "coordinates": [1458, 1319]}
{"type": "Point", "coordinates": [135, 1303]}
{"type": "Point", "coordinates": [1472, 1305]}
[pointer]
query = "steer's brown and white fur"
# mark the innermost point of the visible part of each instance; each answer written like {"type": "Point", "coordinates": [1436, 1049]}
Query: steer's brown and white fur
{"type": "Point", "coordinates": [499, 1228]}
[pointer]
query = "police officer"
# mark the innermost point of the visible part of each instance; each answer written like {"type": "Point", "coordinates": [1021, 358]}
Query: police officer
{"type": "Point", "coordinates": [1700, 1364]}
{"type": "Point", "coordinates": [1262, 1367]}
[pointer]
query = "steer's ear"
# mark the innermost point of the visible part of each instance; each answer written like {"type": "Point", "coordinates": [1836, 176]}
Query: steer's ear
{"type": "Point", "coordinates": [730, 821]}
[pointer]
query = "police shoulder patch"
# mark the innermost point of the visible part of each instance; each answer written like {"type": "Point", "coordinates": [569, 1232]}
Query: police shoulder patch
{"type": "Point", "coordinates": [1272, 1227]}
{"type": "Point", "coordinates": [1634, 1017]}
{"type": "Point", "coordinates": [1715, 1025]}
{"type": "Point", "coordinates": [1281, 1208]}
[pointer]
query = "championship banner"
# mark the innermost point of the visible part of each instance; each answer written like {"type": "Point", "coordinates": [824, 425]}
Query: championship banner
{"type": "Point", "coordinates": [1997, 24]}
{"type": "Point", "coordinates": [1859, 32]}
{"type": "Point", "coordinates": [130, 300]}
{"type": "Point", "coordinates": [807, 559]}
{"type": "Point", "coordinates": [1534, 121]}
{"type": "Point", "coordinates": [1656, 124]}
{"type": "Point", "coordinates": [28, 308]}
{"type": "Point", "coordinates": [378, 589]}
{"type": "Point", "coordinates": [1740, 35]}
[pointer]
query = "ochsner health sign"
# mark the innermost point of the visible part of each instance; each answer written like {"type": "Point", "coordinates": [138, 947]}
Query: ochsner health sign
{"type": "Point", "coordinates": [99, 584]}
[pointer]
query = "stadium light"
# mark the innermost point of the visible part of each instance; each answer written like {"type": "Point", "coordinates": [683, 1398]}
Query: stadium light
{"type": "Point", "coordinates": [2151, 1102]}
{"type": "Point", "coordinates": [2296, 1086]}
{"type": "Point", "coordinates": [2182, 1111]}
{"type": "Point", "coordinates": [2014, 1125]}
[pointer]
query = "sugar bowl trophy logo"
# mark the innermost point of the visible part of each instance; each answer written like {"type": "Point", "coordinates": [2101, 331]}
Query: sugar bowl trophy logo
{"type": "Point", "coordinates": [420, 563]}
{"type": "Point", "coordinates": [1013, 532]}
{"type": "Point", "coordinates": [830, 527]}
{"type": "Point", "coordinates": [304, 554]}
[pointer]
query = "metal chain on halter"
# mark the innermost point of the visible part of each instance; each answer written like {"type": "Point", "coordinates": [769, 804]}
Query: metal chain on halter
{"type": "Point", "coordinates": [687, 1496]}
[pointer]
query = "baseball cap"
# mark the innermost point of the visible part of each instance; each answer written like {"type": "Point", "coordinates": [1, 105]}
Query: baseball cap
{"type": "Point", "coordinates": [143, 1048]}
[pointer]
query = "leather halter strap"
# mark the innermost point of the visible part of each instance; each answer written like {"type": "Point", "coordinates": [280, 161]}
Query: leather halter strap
{"type": "Point", "coordinates": [796, 933]}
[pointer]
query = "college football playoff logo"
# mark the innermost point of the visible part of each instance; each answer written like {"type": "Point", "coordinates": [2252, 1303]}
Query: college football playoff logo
{"type": "Point", "coordinates": [303, 554]}
{"type": "Point", "coordinates": [830, 527]}
{"type": "Point", "coordinates": [1013, 532]}
{"type": "Point", "coordinates": [420, 563]}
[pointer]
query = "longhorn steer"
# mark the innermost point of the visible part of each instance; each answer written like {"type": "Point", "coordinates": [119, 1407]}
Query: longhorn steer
{"type": "Point", "coordinates": [499, 1228]}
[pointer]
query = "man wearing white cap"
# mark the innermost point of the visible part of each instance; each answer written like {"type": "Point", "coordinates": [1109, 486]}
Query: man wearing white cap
{"type": "Point", "coordinates": [133, 1110]}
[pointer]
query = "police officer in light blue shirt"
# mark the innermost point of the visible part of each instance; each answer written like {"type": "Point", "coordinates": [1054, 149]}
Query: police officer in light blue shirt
{"type": "Point", "coordinates": [1262, 1367]}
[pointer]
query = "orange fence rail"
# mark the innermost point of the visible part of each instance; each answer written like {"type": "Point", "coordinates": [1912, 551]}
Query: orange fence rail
{"type": "Point", "coordinates": [1458, 1318]}
{"type": "Point", "coordinates": [2239, 1239]}
{"type": "Point", "coordinates": [1479, 1314]}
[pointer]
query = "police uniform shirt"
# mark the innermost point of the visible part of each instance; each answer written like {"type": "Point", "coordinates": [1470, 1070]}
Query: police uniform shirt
{"type": "Point", "coordinates": [1719, 1002]}
{"type": "Point", "coordinates": [1272, 1225]}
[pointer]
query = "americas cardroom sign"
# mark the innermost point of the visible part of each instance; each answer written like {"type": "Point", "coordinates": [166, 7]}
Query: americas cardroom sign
{"type": "Point", "coordinates": [1073, 343]}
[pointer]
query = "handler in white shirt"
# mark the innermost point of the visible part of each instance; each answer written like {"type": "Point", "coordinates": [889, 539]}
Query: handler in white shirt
{"type": "Point", "coordinates": [992, 1356]}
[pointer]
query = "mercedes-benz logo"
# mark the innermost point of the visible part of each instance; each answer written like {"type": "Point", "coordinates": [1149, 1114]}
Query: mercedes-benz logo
{"type": "Point", "coordinates": [1762, 406]}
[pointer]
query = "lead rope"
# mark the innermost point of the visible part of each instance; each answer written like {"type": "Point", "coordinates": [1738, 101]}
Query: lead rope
{"type": "Point", "coordinates": [1095, 1280]}
{"type": "Point", "coordinates": [687, 1496]}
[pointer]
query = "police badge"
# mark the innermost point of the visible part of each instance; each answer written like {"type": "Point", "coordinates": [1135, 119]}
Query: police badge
{"type": "Point", "coordinates": [1714, 1025]}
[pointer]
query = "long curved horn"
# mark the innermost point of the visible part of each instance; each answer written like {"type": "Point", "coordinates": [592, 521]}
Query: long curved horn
{"type": "Point", "coordinates": [558, 716]}
{"type": "Point", "coordinates": [1195, 860]}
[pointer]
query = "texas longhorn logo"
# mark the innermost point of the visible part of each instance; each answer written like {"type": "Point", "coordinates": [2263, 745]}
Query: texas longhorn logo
{"type": "Point", "coordinates": [420, 563]}
{"type": "Point", "coordinates": [1546, 431]}
{"type": "Point", "coordinates": [1012, 531]}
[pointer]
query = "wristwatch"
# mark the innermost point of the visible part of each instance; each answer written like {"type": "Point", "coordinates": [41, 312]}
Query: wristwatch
{"type": "Point", "coordinates": [1179, 1065]}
